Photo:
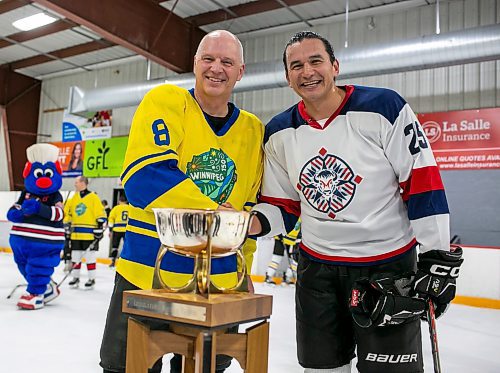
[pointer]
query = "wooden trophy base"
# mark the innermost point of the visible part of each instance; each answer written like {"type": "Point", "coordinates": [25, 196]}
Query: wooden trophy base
{"type": "Point", "coordinates": [197, 327]}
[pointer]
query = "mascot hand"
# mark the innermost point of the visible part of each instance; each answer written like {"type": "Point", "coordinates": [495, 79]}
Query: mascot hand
{"type": "Point", "coordinates": [31, 206]}
{"type": "Point", "coordinates": [15, 214]}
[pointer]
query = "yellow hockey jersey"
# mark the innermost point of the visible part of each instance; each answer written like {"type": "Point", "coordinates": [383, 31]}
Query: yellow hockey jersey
{"type": "Point", "coordinates": [117, 220]}
{"type": "Point", "coordinates": [175, 159]}
{"type": "Point", "coordinates": [292, 236]}
{"type": "Point", "coordinates": [83, 213]}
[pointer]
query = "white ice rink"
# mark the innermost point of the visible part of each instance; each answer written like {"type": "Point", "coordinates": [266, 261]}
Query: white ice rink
{"type": "Point", "coordinates": [65, 336]}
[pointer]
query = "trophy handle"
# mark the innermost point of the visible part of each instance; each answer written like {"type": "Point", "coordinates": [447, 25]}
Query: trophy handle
{"type": "Point", "coordinates": [158, 282]}
{"type": "Point", "coordinates": [241, 286]}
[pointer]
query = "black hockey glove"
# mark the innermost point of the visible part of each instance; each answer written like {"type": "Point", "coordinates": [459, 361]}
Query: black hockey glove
{"type": "Point", "coordinates": [98, 233]}
{"type": "Point", "coordinates": [436, 277]}
{"type": "Point", "coordinates": [67, 232]}
{"type": "Point", "coordinates": [384, 301]}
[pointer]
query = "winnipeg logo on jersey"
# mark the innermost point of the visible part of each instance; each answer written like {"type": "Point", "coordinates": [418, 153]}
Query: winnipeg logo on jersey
{"type": "Point", "coordinates": [214, 173]}
{"type": "Point", "coordinates": [80, 209]}
{"type": "Point", "coordinates": [328, 183]}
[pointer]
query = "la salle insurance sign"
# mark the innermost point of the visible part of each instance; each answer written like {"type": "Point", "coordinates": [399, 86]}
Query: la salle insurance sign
{"type": "Point", "coordinates": [464, 140]}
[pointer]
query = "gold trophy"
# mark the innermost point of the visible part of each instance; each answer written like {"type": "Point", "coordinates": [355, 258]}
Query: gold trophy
{"type": "Point", "coordinates": [201, 234]}
{"type": "Point", "coordinates": [197, 322]}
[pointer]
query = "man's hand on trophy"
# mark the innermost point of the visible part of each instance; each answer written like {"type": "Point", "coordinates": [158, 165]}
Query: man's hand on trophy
{"type": "Point", "coordinates": [226, 206]}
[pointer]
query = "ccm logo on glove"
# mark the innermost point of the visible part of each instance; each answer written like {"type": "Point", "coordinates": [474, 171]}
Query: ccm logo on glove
{"type": "Point", "coordinates": [441, 270]}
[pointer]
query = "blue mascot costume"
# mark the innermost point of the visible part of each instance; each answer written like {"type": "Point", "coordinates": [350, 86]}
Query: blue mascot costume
{"type": "Point", "coordinates": [37, 235]}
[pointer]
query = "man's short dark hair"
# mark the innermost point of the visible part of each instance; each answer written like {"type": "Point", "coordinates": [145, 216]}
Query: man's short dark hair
{"type": "Point", "coordinates": [300, 36]}
{"type": "Point", "coordinates": [122, 198]}
{"type": "Point", "coordinates": [84, 179]}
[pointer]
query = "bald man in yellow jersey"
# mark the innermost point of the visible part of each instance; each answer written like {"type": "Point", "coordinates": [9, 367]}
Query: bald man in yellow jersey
{"type": "Point", "coordinates": [187, 149]}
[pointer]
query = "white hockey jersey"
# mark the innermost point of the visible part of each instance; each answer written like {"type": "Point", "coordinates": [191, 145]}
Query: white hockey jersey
{"type": "Point", "coordinates": [366, 185]}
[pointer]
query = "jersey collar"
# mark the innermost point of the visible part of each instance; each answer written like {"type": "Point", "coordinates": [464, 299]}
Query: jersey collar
{"type": "Point", "coordinates": [313, 123]}
{"type": "Point", "coordinates": [225, 127]}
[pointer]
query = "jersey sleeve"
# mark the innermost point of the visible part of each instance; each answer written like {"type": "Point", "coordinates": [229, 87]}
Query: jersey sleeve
{"type": "Point", "coordinates": [279, 202]}
{"type": "Point", "coordinates": [151, 176]}
{"type": "Point", "coordinates": [112, 217]}
{"type": "Point", "coordinates": [410, 154]}
{"type": "Point", "coordinates": [67, 210]}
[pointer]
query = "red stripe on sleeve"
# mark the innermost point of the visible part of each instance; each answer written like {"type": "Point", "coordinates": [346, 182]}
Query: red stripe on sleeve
{"type": "Point", "coordinates": [290, 206]}
{"type": "Point", "coordinates": [422, 180]}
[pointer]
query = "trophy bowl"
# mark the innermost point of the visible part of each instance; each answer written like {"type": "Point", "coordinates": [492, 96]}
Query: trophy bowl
{"type": "Point", "coordinates": [201, 234]}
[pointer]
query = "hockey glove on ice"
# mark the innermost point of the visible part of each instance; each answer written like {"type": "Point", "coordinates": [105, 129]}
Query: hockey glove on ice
{"type": "Point", "coordinates": [384, 301]}
{"type": "Point", "coordinates": [436, 277]}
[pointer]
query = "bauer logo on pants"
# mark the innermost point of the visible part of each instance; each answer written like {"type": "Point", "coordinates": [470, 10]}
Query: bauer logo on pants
{"type": "Point", "coordinates": [328, 183]}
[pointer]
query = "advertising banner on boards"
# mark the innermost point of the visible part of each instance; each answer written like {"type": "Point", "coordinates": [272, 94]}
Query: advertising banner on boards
{"type": "Point", "coordinates": [464, 140]}
{"type": "Point", "coordinates": [71, 157]}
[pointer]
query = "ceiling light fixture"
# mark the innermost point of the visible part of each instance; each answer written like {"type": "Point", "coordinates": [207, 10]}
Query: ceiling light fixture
{"type": "Point", "coordinates": [32, 22]}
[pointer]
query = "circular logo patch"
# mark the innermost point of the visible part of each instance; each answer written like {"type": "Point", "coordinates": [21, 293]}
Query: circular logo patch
{"type": "Point", "coordinates": [328, 183]}
{"type": "Point", "coordinates": [214, 173]}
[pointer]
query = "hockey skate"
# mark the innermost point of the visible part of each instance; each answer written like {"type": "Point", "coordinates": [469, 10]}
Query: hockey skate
{"type": "Point", "coordinates": [74, 283]}
{"type": "Point", "coordinates": [269, 280]}
{"type": "Point", "coordinates": [51, 293]}
{"type": "Point", "coordinates": [90, 284]}
{"type": "Point", "coordinates": [30, 302]}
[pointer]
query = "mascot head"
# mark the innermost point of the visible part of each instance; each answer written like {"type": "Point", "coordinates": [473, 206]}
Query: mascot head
{"type": "Point", "coordinates": [42, 173]}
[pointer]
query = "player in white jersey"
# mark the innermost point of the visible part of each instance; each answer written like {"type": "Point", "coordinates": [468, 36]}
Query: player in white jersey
{"type": "Point", "coordinates": [354, 164]}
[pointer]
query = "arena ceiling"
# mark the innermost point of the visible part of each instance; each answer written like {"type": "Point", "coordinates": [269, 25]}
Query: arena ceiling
{"type": "Point", "coordinates": [86, 35]}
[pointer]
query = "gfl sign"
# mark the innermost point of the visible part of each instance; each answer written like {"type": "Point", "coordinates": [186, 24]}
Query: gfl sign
{"type": "Point", "coordinates": [98, 162]}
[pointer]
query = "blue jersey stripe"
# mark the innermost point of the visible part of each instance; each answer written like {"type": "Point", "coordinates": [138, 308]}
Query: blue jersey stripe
{"type": "Point", "coordinates": [83, 230]}
{"type": "Point", "coordinates": [140, 248]}
{"type": "Point", "coordinates": [137, 161]}
{"type": "Point", "coordinates": [151, 181]}
{"type": "Point", "coordinates": [144, 249]}
{"type": "Point", "coordinates": [383, 101]}
{"type": "Point", "coordinates": [141, 224]}
{"type": "Point", "coordinates": [427, 204]}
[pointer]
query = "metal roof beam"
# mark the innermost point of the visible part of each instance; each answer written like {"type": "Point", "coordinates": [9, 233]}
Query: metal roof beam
{"type": "Point", "coordinates": [8, 5]}
{"type": "Point", "coordinates": [60, 54]}
{"type": "Point", "coordinates": [57, 26]}
{"type": "Point", "coordinates": [141, 26]}
{"type": "Point", "coordinates": [241, 10]}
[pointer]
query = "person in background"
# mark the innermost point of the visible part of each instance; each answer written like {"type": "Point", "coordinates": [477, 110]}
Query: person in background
{"type": "Point", "coordinates": [285, 245]}
{"type": "Point", "coordinates": [117, 223]}
{"type": "Point", "coordinates": [187, 149]}
{"type": "Point", "coordinates": [107, 209]}
{"type": "Point", "coordinates": [76, 161]}
{"type": "Point", "coordinates": [355, 165]}
{"type": "Point", "coordinates": [84, 217]}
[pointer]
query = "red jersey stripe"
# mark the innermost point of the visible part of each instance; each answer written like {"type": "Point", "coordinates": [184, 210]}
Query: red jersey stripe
{"type": "Point", "coordinates": [290, 206]}
{"type": "Point", "coordinates": [37, 231]}
{"type": "Point", "coordinates": [365, 259]}
{"type": "Point", "coordinates": [422, 180]}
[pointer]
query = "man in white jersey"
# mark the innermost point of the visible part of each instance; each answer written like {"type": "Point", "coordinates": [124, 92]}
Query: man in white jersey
{"type": "Point", "coordinates": [354, 164]}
